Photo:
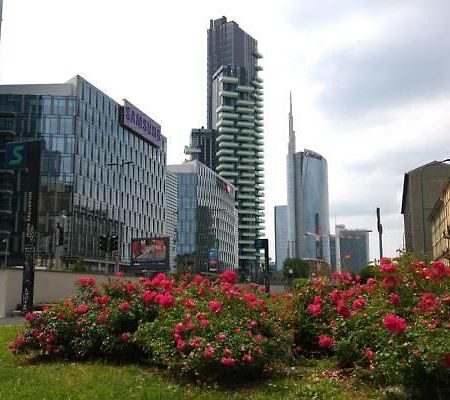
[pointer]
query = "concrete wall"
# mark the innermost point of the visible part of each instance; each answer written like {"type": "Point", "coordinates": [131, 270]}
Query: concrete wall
{"type": "Point", "coordinates": [49, 287]}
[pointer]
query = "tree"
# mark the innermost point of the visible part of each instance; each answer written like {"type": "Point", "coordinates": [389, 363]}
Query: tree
{"type": "Point", "coordinates": [294, 268]}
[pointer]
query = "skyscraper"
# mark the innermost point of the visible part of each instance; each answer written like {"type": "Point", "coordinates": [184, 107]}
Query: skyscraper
{"type": "Point", "coordinates": [235, 111]}
{"type": "Point", "coordinates": [281, 242]}
{"type": "Point", "coordinates": [307, 201]}
{"type": "Point", "coordinates": [203, 146]}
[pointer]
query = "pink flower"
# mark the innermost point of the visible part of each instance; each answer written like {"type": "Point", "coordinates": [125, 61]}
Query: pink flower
{"type": "Point", "coordinates": [315, 309]}
{"type": "Point", "coordinates": [189, 303]}
{"type": "Point", "coordinates": [124, 307]}
{"type": "Point", "coordinates": [390, 282]}
{"type": "Point", "coordinates": [181, 345]}
{"type": "Point", "coordinates": [227, 353]}
{"type": "Point", "coordinates": [428, 302]}
{"type": "Point", "coordinates": [215, 306]}
{"type": "Point", "coordinates": [229, 362]}
{"type": "Point", "coordinates": [371, 281]}
{"type": "Point", "coordinates": [166, 300]}
{"type": "Point", "coordinates": [148, 296]}
{"type": "Point", "coordinates": [358, 304]}
{"type": "Point", "coordinates": [119, 274]}
{"type": "Point", "coordinates": [247, 358]}
{"type": "Point", "coordinates": [85, 282]}
{"type": "Point", "coordinates": [30, 316]}
{"type": "Point", "coordinates": [126, 336]}
{"type": "Point", "coordinates": [387, 268]}
{"type": "Point", "coordinates": [203, 323]}
{"type": "Point", "coordinates": [394, 324]}
{"type": "Point", "coordinates": [342, 309]}
{"type": "Point", "coordinates": [326, 341]}
{"type": "Point", "coordinates": [221, 337]}
{"type": "Point", "coordinates": [394, 298]}
{"type": "Point", "coordinates": [369, 354]}
{"type": "Point", "coordinates": [229, 276]}
{"type": "Point", "coordinates": [209, 352]}
{"type": "Point", "coordinates": [83, 309]}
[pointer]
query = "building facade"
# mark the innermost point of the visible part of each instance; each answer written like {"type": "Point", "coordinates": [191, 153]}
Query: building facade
{"type": "Point", "coordinates": [235, 110]}
{"type": "Point", "coordinates": [102, 171]}
{"type": "Point", "coordinates": [281, 240]}
{"type": "Point", "coordinates": [421, 189]}
{"type": "Point", "coordinates": [440, 226]}
{"type": "Point", "coordinates": [240, 152]}
{"type": "Point", "coordinates": [206, 219]}
{"type": "Point", "coordinates": [228, 44]}
{"type": "Point", "coordinates": [203, 146]}
{"type": "Point", "coordinates": [171, 215]}
{"type": "Point", "coordinates": [351, 249]}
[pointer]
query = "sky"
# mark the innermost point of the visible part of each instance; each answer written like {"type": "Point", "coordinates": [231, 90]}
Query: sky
{"type": "Point", "coordinates": [370, 82]}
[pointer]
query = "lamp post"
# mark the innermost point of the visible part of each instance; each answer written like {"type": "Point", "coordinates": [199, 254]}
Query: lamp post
{"type": "Point", "coordinates": [6, 241]}
{"type": "Point", "coordinates": [424, 243]}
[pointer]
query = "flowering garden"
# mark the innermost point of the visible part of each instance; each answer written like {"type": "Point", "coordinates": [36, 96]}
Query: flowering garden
{"type": "Point", "coordinates": [390, 328]}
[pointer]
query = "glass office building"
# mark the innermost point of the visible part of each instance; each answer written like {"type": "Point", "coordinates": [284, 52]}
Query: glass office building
{"type": "Point", "coordinates": [308, 210]}
{"type": "Point", "coordinates": [207, 218]}
{"type": "Point", "coordinates": [99, 174]}
{"type": "Point", "coordinates": [281, 242]}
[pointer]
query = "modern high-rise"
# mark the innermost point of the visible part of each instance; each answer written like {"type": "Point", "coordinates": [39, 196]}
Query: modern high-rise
{"type": "Point", "coordinates": [171, 215]}
{"type": "Point", "coordinates": [228, 44]}
{"type": "Point", "coordinates": [102, 171]}
{"type": "Point", "coordinates": [307, 202]}
{"type": "Point", "coordinates": [235, 110]}
{"type": "Point", "coordinates": [421, 189]}
{"type": "Point", "coordinates": [203, 146]}
{"type": "Point", "coordinates": [206, 218]}
{"type": "Point", "coordinates": [281, 242]}
{"type": "Point", "coordinates": [350, 249]}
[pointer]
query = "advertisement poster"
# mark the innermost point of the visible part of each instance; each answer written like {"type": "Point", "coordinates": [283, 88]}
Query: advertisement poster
{"type": "Point", "coordinates": [150, 254]}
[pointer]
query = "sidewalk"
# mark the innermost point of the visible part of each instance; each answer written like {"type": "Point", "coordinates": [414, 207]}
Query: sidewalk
{"type": "Point", "coordinates": [12, 321]}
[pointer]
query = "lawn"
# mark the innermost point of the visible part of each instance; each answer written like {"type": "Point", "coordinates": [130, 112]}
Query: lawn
{"type": "Point", "coordinates": [21, 379]}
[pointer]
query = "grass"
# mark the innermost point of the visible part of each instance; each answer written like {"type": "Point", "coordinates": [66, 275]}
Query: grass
{"type": "Point", "coordinates": [21, 379]}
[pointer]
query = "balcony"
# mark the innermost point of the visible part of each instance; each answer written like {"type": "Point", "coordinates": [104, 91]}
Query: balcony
{"type": "Point", "coordinates": [228, 145]}
{"type": "Point", "coordinates": [245, 110]}
{"type": "Point", "coordinates": [224, 122]}
{"type": "Point", "coordinates": [228, 115]}
{"type": "Point", "coordinates": [241, 102]}
{"type": "Point", "coordinates": [225, 151]}
{"type": "Point", "coordinates": [227, 174]}
{"type": "Point", "coordinates": [244, 88]}
{"type": "Point", "coordinates": [241, 152]}
{"type": "Point", "coordinates": [225, 159]}
{"type": "Point", "coordinates": [222, 138]}
{"type": "Point", "coordinates": [245, 124]}
{"type": "Point", "coordinates": [225, 166]}
{"type": "Point", "coordinates": [227, 93]}
{"type": "Point", "coordinates": [228, 129]}
{"type": "Point", "coordinates": [224, 108]}
{"type": "Point", "coordinates": [244, 138]}
{"type": "Point", "coordinates": [242, 167]}
{"type": "Point", "coordinates": [228, 79]}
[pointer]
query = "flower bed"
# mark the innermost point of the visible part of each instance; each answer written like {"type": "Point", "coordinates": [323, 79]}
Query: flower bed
{"type": "Point", "coordinates": [394, 328]}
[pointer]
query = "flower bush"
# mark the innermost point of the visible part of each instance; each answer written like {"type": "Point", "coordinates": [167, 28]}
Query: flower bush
{"type": "Point", "coordinates": [99, 321]}
{"type": "Point", "coordinates": [216, 329]}
{"type": "Point", "coordinates": [393, 328]}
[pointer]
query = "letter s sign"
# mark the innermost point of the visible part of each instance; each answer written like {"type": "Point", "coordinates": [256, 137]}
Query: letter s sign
{"type": "Point", "coordinates": [16, 155]}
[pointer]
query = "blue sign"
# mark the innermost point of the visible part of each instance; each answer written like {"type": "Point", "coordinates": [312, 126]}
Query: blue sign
{"type": "Point", "coordinates": [213, 254]}
{"type": "Point", "coordinates": [17, 155]}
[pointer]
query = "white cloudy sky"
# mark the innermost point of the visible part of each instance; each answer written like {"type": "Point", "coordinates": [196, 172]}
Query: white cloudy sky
{"type": "Point", "coordinates": [370, 81]}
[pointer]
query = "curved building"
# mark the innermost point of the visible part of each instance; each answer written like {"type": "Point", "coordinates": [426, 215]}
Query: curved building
{"type": "Point", "coordinates": [307, 202]}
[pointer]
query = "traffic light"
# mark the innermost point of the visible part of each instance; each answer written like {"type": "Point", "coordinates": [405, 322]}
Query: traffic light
{"type": "Point", "coordinates": [113, 242]}
{"type": "Point", "coordinates": [103, 242]}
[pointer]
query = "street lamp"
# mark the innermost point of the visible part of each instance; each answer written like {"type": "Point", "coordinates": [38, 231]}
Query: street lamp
{"type": "Point", "coordinates": [318, 239]}
{"type": "Point", "coordinates": [422, 205]}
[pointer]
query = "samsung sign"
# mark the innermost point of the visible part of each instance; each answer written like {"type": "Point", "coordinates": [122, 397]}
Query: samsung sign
{"type": "Point", "coordinates": [134, 119]}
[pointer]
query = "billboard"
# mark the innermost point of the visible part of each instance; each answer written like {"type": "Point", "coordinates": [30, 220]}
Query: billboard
{"type": "Point", "coordinates": [150, 254]}
{"type": "Point", "coordinates": [140, 123]}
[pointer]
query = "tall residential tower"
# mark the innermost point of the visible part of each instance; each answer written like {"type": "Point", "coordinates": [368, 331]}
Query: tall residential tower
{"type": "Point", "coordinates": [235, 110]}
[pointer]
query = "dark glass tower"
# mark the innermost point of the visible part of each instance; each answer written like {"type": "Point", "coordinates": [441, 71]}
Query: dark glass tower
{"type": "Point", "coordinates": [228, 44]}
